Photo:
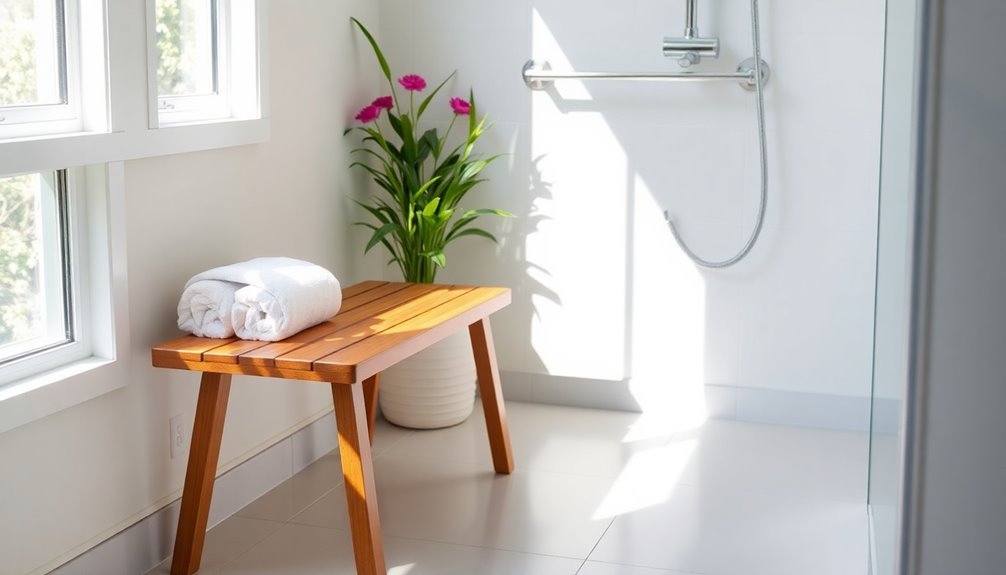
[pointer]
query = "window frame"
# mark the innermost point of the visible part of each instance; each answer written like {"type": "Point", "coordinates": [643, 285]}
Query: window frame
{"type": "Point", "coordinates": [239, 30]}
{"type": "Point", "coordinates": [65, 116]}
{"type": "Point", "coordinates": [186, 108]}
{"type": "Point", "coordinates": [72, 250]}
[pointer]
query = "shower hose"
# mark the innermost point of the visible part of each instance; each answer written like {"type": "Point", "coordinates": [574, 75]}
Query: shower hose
{"type": "Point", "coordinates": [755, 34]}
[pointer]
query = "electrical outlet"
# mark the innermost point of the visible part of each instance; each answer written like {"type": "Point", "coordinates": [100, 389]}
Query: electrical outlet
{"type": "Point", "coordinates": [176, 435]}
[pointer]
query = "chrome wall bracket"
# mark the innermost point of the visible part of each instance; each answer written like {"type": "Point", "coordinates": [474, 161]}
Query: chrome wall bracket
{"type": "Point", "coordinates": [530, 71]}
{"type": "Point", "coordinates": [747, 67]}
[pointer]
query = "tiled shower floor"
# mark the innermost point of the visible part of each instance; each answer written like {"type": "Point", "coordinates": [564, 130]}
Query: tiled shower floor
{"type": "Point", "coordinates": [594, 493]}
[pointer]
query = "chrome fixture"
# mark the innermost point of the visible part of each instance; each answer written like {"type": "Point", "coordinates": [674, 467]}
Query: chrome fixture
{"type": "Point", "coordinates": [752, 73]}
{"type": "Point", "coordinates": [691, 48]}
{"type": "Point", "coordinates": [539, 75]}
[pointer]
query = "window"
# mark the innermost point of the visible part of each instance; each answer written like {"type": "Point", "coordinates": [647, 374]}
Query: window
{"type": "Point", "coordinates": [38, 76]}
{"type": "Point", "coordinates": [39, 287]}
{"type": "Point", "coordinates": [34, 309]}
{"type": "Point", "coordinates": [205, 60]}
{"type": "Point", "coordinates": [72, 94]}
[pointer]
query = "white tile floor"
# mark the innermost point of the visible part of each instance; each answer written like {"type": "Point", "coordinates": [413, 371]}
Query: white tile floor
{"type": "Point", "coordinates": [594, 493]}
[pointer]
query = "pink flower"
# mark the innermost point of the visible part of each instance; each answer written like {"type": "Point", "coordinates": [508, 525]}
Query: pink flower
{"type": "Point", "coordinates": [368, 114]}
{"type": "Point", "coordinates": [384, 102]}
{"type": "Point", "coordinates": [412, 82]}
{"type": "Point", "coordinates": [460, 106]}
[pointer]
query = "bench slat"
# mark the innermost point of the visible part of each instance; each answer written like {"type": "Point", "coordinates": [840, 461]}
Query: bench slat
{"type": "Point", "coordinates": [361, 287]}
{"type": "Point", "coordinates": [356, 300]}
{"type": "Point", "coordinates": [304, 357]}
{"type": "Point", "coordinates": [234, 369]}
{"type": "Point", "coordinates": [386, 348]}
{"type": "Point", "coordinates": [189, 347]}
{"type": "Point", "coordinates": [230, 352]}
{"type": "Point", "coordinates": [266, 356]}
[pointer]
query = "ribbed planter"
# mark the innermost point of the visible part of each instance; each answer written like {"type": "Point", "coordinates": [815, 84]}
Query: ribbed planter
{"type": "Point", "coordinates": [433, 388]}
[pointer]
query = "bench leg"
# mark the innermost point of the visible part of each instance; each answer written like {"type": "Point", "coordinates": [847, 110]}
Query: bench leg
{"type": "Point", "coordinates": [492, 395]}
{"type": "Point", "coordinates": [358, 471]}
{"type": "Point", "coordinates": [370, 388]}
{"type": "Point", "coordinates": [204, 451]}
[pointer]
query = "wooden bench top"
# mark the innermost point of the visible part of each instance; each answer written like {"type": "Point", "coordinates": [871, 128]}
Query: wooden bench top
{"type": "Point", "coordinates": [379, 324]}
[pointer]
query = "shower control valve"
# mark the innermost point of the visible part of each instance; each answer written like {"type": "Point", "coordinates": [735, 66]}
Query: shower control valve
{"type": "Point", "coordinates": [690, 50]}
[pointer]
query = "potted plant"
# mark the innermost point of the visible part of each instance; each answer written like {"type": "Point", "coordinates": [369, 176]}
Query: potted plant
{"type": "Point", "coordinates": [422, 179]}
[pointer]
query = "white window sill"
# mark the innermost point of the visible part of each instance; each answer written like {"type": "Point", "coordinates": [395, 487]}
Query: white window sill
{"type": "Point", "coordinates": [36, 397]}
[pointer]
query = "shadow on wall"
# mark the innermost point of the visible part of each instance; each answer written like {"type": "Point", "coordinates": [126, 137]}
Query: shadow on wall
{"type": "Point", "coordinates": [535, 286]}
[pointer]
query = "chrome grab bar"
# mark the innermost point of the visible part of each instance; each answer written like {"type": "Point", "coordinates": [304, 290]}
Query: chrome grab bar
{"type": "Point", "coordinates": [539, 75]}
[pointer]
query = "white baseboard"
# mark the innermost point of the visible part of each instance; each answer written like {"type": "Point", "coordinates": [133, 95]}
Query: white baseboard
{"type": "Point", "coordinates": [722, 402]}
{"type": "Point", "coordinates": [147, 543]}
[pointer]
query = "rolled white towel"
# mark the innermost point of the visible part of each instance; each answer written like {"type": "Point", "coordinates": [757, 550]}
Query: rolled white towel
{"type": "Point", "coordinates": [205, 308]}
{"type": "Point", "coordinates": [277, 297]}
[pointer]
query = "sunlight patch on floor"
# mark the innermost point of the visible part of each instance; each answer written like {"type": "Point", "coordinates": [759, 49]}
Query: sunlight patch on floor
{"type": "Point", "coordinates": [647, 479]}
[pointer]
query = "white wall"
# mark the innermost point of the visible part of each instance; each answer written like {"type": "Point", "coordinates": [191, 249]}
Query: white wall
{"type": "Point", "coordinates": [71, 479]}
{"type": "Point", "coordinates": [601, 291]}
{"type": "Point", "coordinates": [957, 524]}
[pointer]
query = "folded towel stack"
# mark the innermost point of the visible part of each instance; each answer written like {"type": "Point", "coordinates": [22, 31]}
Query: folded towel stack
{"type": "Point", "coordinates": [266, 299]}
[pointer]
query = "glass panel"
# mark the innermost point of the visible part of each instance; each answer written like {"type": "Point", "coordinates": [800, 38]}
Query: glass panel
{"type": "Point", "coordinates": [32, 294]}
{"type": "Point", "coordinates": [890, 362]}
{"type": "Point", "coordinates": [32, 70]}
{"type": "Point", "coordinates": [186, 47]}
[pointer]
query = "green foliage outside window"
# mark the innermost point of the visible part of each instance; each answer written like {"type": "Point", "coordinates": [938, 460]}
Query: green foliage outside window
{"type": "Point", "coordinates": [18, 259]}
{"type": "Point", "coordinates": [177, 27]}
{"type": "Point", "coordinates": [17, 53]}
{"type": "Point", "coordinates": [18, 238]}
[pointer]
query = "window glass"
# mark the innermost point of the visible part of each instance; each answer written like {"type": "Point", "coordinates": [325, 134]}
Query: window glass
{"type": "Point", "coordinates": [32, 53]}
{"type": "Point", "coordinates": [186, 47]}
{"type": "Point", "coordinates": [34, 294]}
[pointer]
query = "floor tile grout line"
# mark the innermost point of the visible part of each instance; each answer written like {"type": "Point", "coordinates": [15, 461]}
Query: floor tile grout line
{"type": "Point", "coordinates": [673, 571]}
{"type": "Point", "coordinates": [470, 546]}
{"type": "Point", "coordinates": [596, 543]}
{"type": "Point", "coordinates": [292, 523]}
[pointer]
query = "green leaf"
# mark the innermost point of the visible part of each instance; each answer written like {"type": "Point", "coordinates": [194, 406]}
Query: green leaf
{"type": "Point", "coordinates": [431, 139]}
{"type": "Point", "coordinates": [473, 232]}
{"type": "Point", "coordinates": [379, 235]}
{"type": "Point", "coordinates": [487, 211]}
{"type": "Point", "coordinates": [377, 49]}
{"type": "Point", "coordinates": [408, 141]}
{"type": "Point", "coordinates": [431, 208]}
{"type": "Point", "coordinates": [439, 258]}
{"type": "Point", "coordinates": [471, 111]}
{"type": "Point", "coordinates": [427, 185]}
{"type": "Point", "coordinates": [427, 99]}
{"type": "Point", "coordinates": [396, 124]}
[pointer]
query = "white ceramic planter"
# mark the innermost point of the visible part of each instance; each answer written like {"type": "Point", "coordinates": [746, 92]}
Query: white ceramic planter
{"type": "Point", "coordinates": [433, 388]}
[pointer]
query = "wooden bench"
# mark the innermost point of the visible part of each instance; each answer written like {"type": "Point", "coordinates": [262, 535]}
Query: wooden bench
{"type": "Point", "coordinates": [379, 324]}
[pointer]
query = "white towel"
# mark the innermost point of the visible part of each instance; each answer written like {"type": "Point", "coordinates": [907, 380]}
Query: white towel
{"type": "Point", "coordinates": [205, 308]}
{"type": "Point", "coordinates": [276, 297]}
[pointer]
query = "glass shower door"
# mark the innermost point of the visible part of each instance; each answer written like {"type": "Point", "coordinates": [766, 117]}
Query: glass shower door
{"type": "Point", "coordinates": [890, 362]}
